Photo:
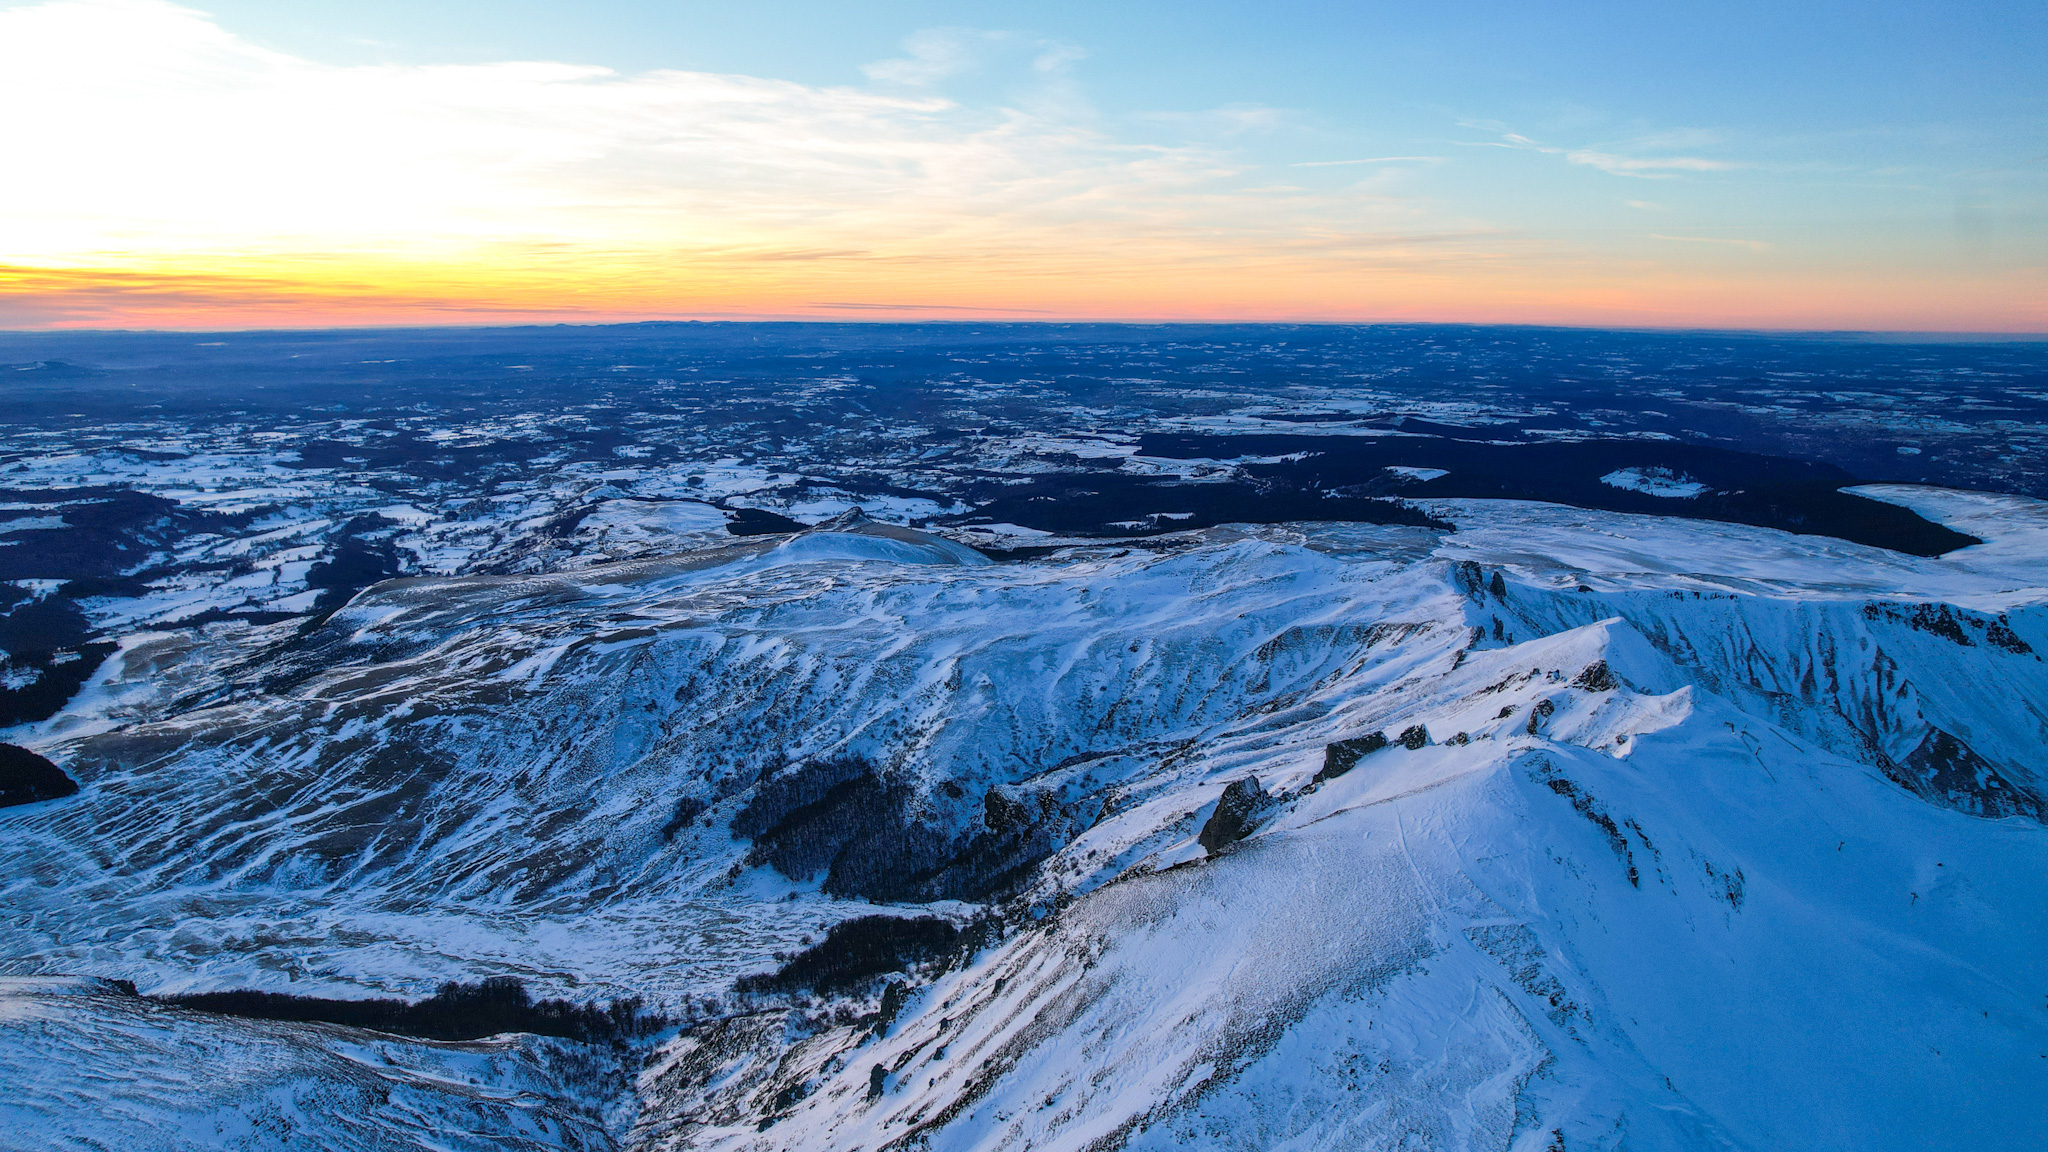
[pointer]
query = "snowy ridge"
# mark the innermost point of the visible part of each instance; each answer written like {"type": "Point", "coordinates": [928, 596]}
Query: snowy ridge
{"type": "Point", "coordinates": [367, 787]}
{"type": "Point", "coordinates": [1878, 657]}
{"type": "Point", "coordinates": [1549, 842]}
{"type": "Point", "coordinates": [1503, 942]}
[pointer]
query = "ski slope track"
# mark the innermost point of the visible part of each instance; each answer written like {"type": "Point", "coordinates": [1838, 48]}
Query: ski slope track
{"type": "Point", "coordinates": [1564, 830]}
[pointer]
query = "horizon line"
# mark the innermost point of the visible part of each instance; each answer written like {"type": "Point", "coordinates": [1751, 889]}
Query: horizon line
{"type": "Point", "coordinates": [1900, 335]}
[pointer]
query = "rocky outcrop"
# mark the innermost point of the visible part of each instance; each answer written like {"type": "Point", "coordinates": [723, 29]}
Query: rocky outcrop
{"type": "Point", "coordinates": [1237, 811]}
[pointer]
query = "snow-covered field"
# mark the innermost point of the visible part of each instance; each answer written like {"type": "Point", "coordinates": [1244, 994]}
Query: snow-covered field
{"type": "Point", "coordinates": [1054, 806]}
{"type": "Point", "coordinates": [91, 1066]}
{"type": "Point", "coordinates": [1678, 834]}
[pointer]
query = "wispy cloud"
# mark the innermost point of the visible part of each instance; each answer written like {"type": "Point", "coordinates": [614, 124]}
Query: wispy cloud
{"type": "Point", "coordinates": [1752, 245]}
{"type": "Point", "coordinates": [160, 133]}
{"type": "Point", "coordinates": [169, 145]}
{"type": "Point", "coordinates": [1368, 160]}
{"type": "Point", "coordinates": [1645, 166]}
{"type": "Point", "coordinates": [933, 55]}
{"type": "Point", "coordinates": [166, 171]}
{"type": "Point", "coordinates": [1646, 158]}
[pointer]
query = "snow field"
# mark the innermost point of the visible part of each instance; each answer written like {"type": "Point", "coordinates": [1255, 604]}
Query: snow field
{"type": "Point", "coordinates": [1644, 878]}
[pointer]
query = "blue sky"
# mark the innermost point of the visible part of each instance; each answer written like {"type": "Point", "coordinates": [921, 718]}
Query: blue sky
{"type": "Point", "coordinates": [1769, 69]}
{"type": "Point", "coordinates": [1666, 159]}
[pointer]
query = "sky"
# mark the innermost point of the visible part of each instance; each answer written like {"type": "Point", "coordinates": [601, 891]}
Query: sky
{"type": "Point", "coordinates": [287, 163]}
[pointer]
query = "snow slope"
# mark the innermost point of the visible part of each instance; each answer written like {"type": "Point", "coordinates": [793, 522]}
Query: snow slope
{"type": "Point", "coordinates": [1705, 936]}
{"type": "Point", "coordinates": [90, 1066]}
{"type": "Point", "coordinates": [1685, 835]}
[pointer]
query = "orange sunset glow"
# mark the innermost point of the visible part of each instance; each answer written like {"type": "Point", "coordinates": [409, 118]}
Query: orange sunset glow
{"type": "Point", "coordinates": [321, 291]}
{"type": "Point", "coordinates": [188, 177]}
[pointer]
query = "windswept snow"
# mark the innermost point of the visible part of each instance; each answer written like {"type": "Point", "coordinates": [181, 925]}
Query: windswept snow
{"type": "Point", "coordinates": [88, 1065]}
{"type": "Point", "coordinates": [1573, 829]}
{"type": "Point", "coordinates": [1418, 474]}
{"type": "Point", "coordinates": [2014, 528]}
{"type": "Point", "coordinates": [1654, 482]}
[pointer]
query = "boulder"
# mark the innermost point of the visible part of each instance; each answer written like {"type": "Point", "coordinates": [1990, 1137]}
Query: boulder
{"type": "Point", "coordinates": [1235, 814]}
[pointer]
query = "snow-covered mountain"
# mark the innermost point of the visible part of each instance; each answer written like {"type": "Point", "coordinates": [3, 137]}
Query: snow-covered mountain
{"type": "Point", "coordinates": [1568, 829]}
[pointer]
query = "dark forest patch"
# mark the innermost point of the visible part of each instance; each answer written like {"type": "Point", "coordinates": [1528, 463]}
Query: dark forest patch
{"type": "Point", "coordinates": [58, 677]}
{"type": "Point", "coordinates": [26, 778]}
{"type": "Point", "coordinates": [455, 1012]}
{"type": "Point", "coordinates": [106, 531]}
{"type": "Point", "coordinates": [879, 838]}
{"type": "Point", "coordinates": [840, 817]}
{"type": "Point", "coordinates": [1117, 505]}
{"type": "Point", "coordinates": [45, 645]}
{"type": "Point", "coordinates": [858, 950]}
{"type": "Point", "coordinates": [1801, 496]}
{"type": "Point", "coordinates": [111, 542]}
{"type": "Point", "coordinates": [364, 556]}
{"type": "Point", "coordinates": [758, 522]}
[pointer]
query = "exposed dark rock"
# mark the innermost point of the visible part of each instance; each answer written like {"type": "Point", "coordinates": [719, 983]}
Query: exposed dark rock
{"type": "Point", "coordinates": [1468, 578]}
{"type": "Point", "coordinates": [1934, 619]}
{"type": "Point", "coordinates": [892, 1006]}
{"type": "Point", "coordinates": [1236, 812]}
{"type": "Point", "coordinates": [1523, 955]}
{"type": "Point", "coordinates": [1344, 755]}
{"type": "Point", "coordinates": [1952, 624]}
{"type": "Point", "coordinates": [1731, 884]}
{"type": "Point", "coordinates": [1596, 677]}
{"type": "Point", "coordinates": [1414, 737]}
{"type": "Point", "coordinates": [1949, 772]}
{"type": "Point", "coordinates": [1546, 773]}
{"type": "Point", "coordinates": [26, 778]}
{"type": "Point", "coordinates": [1999, 634]}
